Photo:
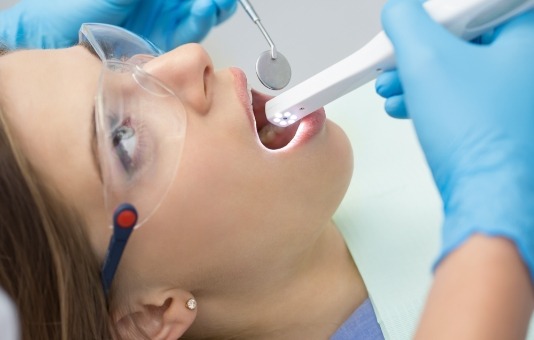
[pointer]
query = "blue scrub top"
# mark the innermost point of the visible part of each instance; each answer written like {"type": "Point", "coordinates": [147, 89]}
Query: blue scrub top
{"type": "Point", "coordinates": [362, 324]}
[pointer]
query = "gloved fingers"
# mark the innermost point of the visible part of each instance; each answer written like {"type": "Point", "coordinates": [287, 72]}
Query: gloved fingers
{"type": "Point", "coordinates": [484, 39]}
{"type": "Point", "coordinates": [388, 84]}
{"type": "Point", "coordinates": [196, 25]}
{"type": "Point", "coordinates": [225, 9]}
{"type": "Point", "coordinates": [413, 33]}
{"type": "Point", "coordinates": [396, 107]}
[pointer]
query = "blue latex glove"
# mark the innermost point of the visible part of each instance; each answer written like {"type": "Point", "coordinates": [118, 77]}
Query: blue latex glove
{"type": "Point", "coordinates": [55, 23]}
{"type": "Point", "coordinates": [473, 110]}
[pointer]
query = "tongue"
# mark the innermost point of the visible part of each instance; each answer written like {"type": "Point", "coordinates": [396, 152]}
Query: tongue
{"type": "Point", "coordinates": [275, 137]}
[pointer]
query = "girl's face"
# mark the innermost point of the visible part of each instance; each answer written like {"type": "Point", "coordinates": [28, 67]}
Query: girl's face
{"type": "Point", "coordinates": [237, 210]}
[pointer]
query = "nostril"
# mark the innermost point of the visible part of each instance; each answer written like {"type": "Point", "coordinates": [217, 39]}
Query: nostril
{"type": "Point", "coordinates": [206, 79]}
{"type": "Point", "coordinates": [188, 72]}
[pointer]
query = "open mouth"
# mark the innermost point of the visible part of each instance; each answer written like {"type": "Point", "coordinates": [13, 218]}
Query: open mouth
{"type": "Point", "coordinates": [271, 136]}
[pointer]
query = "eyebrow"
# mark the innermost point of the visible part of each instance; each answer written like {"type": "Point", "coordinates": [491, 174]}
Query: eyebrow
{"type": "Point", "coordinates": [4, 49]}
{"type": "Point", "coordinates": [89, 48]}
{"type": "Point", "coordinates": [93, 142]}
{"type": "Point", "coordinates": [94, 146]}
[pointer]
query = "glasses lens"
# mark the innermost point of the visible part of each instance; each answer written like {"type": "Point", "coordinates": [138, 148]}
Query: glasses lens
{"type": "Point", "coordinates": [140, 130]}
{"type": "Point", "coordinates": [112, 42]}
{"type": "Point", "coordinates": [140, 122]}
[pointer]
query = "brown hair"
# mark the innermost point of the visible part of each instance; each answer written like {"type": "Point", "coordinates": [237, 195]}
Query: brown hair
{"type": "Point", "coordinates": [47, 265]}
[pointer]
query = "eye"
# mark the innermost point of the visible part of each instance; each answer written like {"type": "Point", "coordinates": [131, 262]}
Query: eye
{"type": "Point", "coordinates": [124, 141]}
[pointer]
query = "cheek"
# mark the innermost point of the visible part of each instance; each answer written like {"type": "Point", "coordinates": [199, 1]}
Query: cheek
{"type": "Point", "coordinates": [338, 162]}
{"type": "Point", "coordinates": [224, 181]}
{"type": "Point", "coordinates": [320, 173]}
{"type": "Point", "coordinates": [232, 203]}
{"type": "Point", "coordinates": [212, 181]}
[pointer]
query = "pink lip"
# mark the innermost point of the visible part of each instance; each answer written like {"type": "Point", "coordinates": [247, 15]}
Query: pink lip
{"type": "Point", "coordinates": [310, 126]}
{"type": "Point", "coordinates": [241, 86]}
{"type": "Point", "coordinates": [307, 128]}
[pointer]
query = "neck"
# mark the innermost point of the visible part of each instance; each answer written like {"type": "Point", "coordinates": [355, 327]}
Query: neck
{"type": "Point", "coordinates": [311, 302]}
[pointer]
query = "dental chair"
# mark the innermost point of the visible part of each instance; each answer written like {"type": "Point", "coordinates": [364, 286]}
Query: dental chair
{"type": "Point", "coordinates": [9, 326]}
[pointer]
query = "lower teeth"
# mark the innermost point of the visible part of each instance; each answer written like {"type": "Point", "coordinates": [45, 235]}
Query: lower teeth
{"type": "Point", "coordinates": [268, 133]}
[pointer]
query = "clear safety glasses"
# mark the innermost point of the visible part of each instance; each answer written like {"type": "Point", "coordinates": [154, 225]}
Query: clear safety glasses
{"type": "Point", "coordinates": [140, 129]}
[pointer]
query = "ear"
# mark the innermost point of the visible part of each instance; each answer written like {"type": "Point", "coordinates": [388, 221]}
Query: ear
{"type": "Point", "coordinates": [161, 316]}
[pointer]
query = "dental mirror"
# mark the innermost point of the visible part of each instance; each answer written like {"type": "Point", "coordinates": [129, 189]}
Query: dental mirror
{"type": "Point", "coordinates": [272, 68]}
{"type": "Point", "coordinates": [275, 74]}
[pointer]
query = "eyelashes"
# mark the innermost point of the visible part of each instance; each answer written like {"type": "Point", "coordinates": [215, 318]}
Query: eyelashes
{"type": "Point", "coordinates": [128, 142]}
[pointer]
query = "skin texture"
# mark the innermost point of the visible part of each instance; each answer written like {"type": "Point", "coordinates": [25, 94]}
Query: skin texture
{"type": "Point", "coordinates": [481, 291]}
{"type": "Point", "coordinates": [244, 229]}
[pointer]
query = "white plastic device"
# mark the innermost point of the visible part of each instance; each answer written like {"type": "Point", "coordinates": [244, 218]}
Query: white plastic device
{"type": "Point", "coordinates": [464, 18]}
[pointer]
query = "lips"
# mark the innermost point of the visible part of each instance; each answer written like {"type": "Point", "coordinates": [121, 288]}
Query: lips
{"type": "Point", "coordinates": [272, 136]}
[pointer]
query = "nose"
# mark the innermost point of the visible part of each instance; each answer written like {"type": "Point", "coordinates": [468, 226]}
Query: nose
{"type": "Point", "coordinates": [188, 71]}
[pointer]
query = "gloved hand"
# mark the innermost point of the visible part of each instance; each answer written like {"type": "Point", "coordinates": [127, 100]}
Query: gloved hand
{"type": "Point", "coordinates": [55, 23]}
{"type": "Point", "coordinates": [473, 110]}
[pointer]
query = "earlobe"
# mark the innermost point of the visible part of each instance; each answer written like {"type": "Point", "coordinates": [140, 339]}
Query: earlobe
{"type": "Point", "coordinates": [165, 318]}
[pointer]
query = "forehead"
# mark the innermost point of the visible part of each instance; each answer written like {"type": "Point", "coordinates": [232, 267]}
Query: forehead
{"type": "Point", "coordinates": [47, 98]}
{"type": "Point", "coordinates": [33, 82]}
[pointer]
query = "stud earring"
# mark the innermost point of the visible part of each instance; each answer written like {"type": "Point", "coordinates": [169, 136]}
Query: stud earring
{"type": "Point", "coordinates": [191, 304]}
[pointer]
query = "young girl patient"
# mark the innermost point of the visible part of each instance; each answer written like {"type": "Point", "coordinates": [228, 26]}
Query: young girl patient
{"type": "Point", "coordinates": [235, 238]}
